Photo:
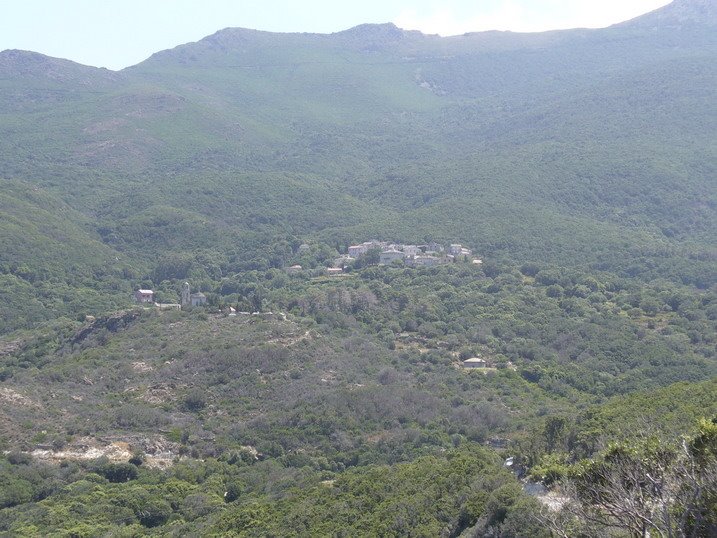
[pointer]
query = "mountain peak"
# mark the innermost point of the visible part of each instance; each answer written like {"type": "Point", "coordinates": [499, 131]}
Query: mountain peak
{"type": "Point", "coordinates": [387, 29]}
{"type": "Point", "coordinates": [27, 63]}
{"type": "Point", "coordinates": [374, 37]}
{"type": "Point", "coordinates": [679, 13]}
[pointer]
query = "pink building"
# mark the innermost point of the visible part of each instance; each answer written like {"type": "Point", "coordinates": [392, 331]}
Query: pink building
{"type": "Point", "coordinates": [144, 296]}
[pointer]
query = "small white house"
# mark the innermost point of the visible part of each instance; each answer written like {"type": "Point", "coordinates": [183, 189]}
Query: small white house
{"type": "Point", "coordinates": [389, 256]}
{"type": "Point", "coordinates": [475, 362]}
{"type": "Point", "coordinates": [426, 261]}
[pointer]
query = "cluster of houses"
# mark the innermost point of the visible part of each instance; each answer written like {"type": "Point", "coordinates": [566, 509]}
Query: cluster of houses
{"type": "Point", "coordinates": [427, 255]}
{"type": "Point", "coordinates": [188, 299]}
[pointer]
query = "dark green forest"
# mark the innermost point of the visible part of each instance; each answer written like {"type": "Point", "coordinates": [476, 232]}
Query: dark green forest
{"type": "Point", "coordinates": [578, 165]}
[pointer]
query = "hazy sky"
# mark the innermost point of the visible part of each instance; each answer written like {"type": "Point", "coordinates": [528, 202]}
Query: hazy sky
{"type": "Point", "coordinates": [116, 34]}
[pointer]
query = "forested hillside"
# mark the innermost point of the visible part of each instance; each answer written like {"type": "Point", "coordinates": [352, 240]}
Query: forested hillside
{"type": "Point", "coordinates": [578, 165]}
{"type": "Point", "coordinates": [579, 147]}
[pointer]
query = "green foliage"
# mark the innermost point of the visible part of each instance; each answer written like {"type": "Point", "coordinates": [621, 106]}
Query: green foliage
{"type": "Point", "coordinates": [116, 178]}
{"type": "Point", "coordinates": [383, 500]}
{"type": "Point", "coordinates": [669, 411]}
{"type": "Point", "coordinates": [649, 486]}
{"type": "Point", "coordinates": [447, 492]}
{"type": "Point", "coordinates": [346, 411]}
{"type": "Point", "coordinates": [552, 468]}
{"type": "Point", "coordinates": [118, 472]}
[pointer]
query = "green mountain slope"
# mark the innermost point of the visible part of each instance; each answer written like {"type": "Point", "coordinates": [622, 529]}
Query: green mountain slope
{"type": "Point", "coordinates": [579, 165]}
{"type": "Point", "coordinates": [53, 262]}
{"type": "Point", "coordinates": [594, 135]}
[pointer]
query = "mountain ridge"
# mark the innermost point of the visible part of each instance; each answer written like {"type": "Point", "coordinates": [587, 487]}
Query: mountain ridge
{"type": "Point", "coordinates": [673, 15]}
{"type": "Point", "coordinates": [14, 62]}
{"type": "Point", "coordinates": [554, 199]}
{"type": "Point", "coordinates": [676, 14]}
{"type": "Point", "coordinates": [377, 132]}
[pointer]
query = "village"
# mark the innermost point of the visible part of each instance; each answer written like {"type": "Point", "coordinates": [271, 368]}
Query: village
{"type": "Point", "coordinates": [371, 252]}
{"type": "Point", "coordinates": [428, 255]}
{"type": "Point", "coordinates": [382, 253]}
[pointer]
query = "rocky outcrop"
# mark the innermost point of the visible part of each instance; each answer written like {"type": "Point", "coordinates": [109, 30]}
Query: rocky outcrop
{"type": "Point", "coordinates": [112, 323]}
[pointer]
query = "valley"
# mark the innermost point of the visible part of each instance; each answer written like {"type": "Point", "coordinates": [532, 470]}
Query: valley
{"type": "Point", "coordinates": [309, 381]}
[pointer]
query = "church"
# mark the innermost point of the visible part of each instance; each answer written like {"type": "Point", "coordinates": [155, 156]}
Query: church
{"type": "Point", "coordinates": [190, 299]}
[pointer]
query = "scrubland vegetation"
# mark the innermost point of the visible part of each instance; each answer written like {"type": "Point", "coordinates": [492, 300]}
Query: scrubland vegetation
{"type": "Point", "coordinates": [578, 165]}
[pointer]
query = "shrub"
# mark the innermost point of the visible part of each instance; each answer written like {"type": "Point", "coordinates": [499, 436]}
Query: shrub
{"type": "Point", "coordinates": [194, 401]}
{"type": "Point", "coordinates": [118, 472]}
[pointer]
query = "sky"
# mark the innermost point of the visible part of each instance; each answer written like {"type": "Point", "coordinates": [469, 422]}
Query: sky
{"type": "Point", "coordinates": [117, 34]}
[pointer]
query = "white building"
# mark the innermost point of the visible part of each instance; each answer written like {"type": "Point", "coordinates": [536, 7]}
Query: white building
{"type": "Point", "coordinates": [426, 261]}
{"type": "Point", "coordinates": [192, 299]}
{"type": "Point", "coordinates": [475, 362]}
{"type": "Point", "coordinates": [389, 256]}
{"type": "Point", "coordinates": [411, 250]}
{"type": "Point", "coordinates": [358, 250]}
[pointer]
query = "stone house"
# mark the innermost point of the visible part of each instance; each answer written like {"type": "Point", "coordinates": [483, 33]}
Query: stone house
{"type": "Point", "coordinates": [411, 250]}
{"type": "Point", "coordinates": [389, 256]}
{"type": "Point", "coordinates": [358, 250]}
{"type": "Point", "coordinates": [197, 299]}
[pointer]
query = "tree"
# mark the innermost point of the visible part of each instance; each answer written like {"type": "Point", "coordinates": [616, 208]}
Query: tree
{"type": "Point", "coordinates": [646, 488]}
{"type": "Point", "coordinates": [118, 472]}
{"type": "Point", "coordinates": [555, 432]}
{"type": "Point", "coordinates": [153, 512]}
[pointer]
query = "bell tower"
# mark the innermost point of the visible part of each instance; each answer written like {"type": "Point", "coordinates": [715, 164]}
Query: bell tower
{"type": "Point", "coordinates": [186, 292]}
